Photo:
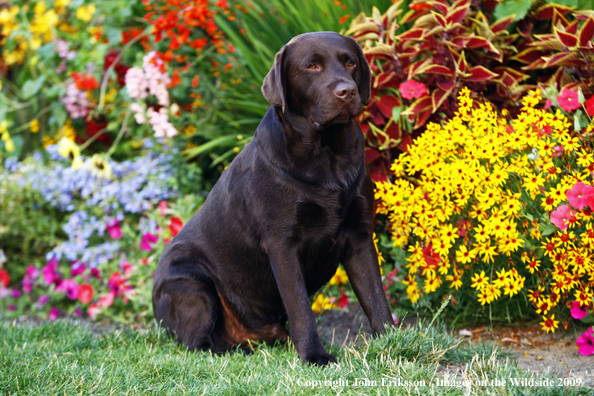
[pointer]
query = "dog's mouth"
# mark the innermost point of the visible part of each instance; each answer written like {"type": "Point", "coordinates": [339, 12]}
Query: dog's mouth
{"type": "Point", "coordinates": [342, 116]}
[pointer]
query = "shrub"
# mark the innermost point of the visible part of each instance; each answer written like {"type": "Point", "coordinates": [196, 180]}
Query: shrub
{"type": "Point", "coordinates": [487, 210]}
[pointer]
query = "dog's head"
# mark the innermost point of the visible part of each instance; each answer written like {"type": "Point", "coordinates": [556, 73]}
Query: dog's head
{"type": "Point", "coordinates": [323, 77]}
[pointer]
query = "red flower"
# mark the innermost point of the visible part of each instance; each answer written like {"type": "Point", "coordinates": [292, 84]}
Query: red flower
{"type": "Point", "coordinates": [412, 89]}
{"type": "Point", "coordinates": [4, 278]}
{"type": "Point", "coordinates": [85, 293]}
{"type": "Point", "coordinates": [590, 106]}
{"type": "Point", "coordinates": [85, 83]}
{"type": "Point", "coordinates": [175, 79]}
{"type": "Point", "coordinates": [568, 100]}
{"type": "Point", "coordinates": [195, 82]}
{"type": "Point", "coordinates": [343, 301]}
{"type": "Point", "coordinates": [175, 225]}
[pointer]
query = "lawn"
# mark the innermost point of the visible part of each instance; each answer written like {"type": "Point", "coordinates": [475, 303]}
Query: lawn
{"type": "Point", "coordinates": [66, 358]}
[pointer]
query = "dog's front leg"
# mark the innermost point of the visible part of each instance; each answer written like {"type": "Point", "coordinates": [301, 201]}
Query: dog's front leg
{"type": "Point", "coordinates": [291, 285]}
{"type": "Point", "coordinates": [363, 270]}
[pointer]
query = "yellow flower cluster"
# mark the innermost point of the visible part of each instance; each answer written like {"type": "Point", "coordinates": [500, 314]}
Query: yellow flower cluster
{"type": "Point", "coordinates": [471, 199]}
{"type": "Point", "coordinates": [19, 35]}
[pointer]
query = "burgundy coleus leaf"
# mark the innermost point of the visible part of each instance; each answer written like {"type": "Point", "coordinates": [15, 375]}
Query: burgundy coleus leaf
{"type": "Point", "coordinates": [572, 28]}
{"type": "Point", "coordinates": [413, 34]}
{"type": "Point", "coordinates": [438, 96]}
{"type": "Point", "coordinates": [405, 143]}
{"type": "Point", "coordinates": [529, 55]}
{"type": "Point", "coordinates": [420, 105]}
{"type": "Point", "coordinates": [457, 14]}
{"type": "Point", "coordinates": [562, 59]}
{"type": "Point", "coordinates": [586, 32]}
{"type": "Point", "coordinates": [393, 131]}
{"type": "Point", "coordinates": [441, 6]}
{"type": "Point", "coordinates": [440, 19]}
{"type": "Point", "coordinates": [461, 62]}
{"type": "Point", "coordinates": [537, 64]}
{"type": "Point", "coordinates": [547, 42]}
{"type": "Point", "coordinates": [371, 154]}
{"type": "Point", "coordinates": [413, 68]}
{"type": "Point", "coordinates": [568, 40]}
{"type": "Point", "coordinates": [480, 73]}
{"type": "Point", "coordinates": [385, 80]}
{"type": "Point", "coordinates": [435, 69]}
{"type": "Point", "coordinates": [446, 84]}
{"type": "Point", "coordinates": [546, 11]}
{"type": "Point", "coordinates": [516, 75]}
{"type": "Point", "coordinates": [478, 42]}
{"type": "Point", "coordinates": [378, 119]}
{"type": "Point", "coordinates": [422, 118]}
{"type": "Point", "coordinates": [502, 24]}
{"type": "Point", "coordinates": [457, 42]}
{"type": "Point", "coordinates": [387, 103]}
{"type": "Point", "coordinates": [506, 80]}
{"type": "Point", "coordinates": [377, 171]}
{"type": "Point", "coordinates": [525, 28]}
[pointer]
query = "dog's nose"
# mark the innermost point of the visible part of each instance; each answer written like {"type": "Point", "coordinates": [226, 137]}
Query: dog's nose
{"type": "Point", "coordinates": [345, 90]}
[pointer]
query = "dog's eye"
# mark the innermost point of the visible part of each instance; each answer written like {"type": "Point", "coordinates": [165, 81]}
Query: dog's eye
{"type": "Point", "coordinates": [351, 64]}
{"type": "Point", "coordinates": [312, 66]}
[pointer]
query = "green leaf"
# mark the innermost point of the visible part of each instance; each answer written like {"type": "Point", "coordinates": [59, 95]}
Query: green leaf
{"type": "Point", "coordinates": [509, 7]}
{"type": "Point", "coordinates": [569, 3]}
{"type": "Point", "coordinates": [31, 87]}
{"type": "Point", "coordinates": [549, 229]}
{"type": "Point", "coordinates": [114, 35]}
{"type": "Point", "coordinates": [588, 319]}
{"type": "Point", "coordinates": [396, 110]}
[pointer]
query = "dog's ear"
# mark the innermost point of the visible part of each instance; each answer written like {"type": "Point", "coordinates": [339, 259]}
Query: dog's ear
{"type": "Point", "coordinates": [274, 87]}
{"type": "Point", "coordinates": [365, 77]}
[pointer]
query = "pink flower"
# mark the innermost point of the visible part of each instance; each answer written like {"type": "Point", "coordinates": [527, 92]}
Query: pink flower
{"type": "Point", "coordinates": [590, 106]}
{"type": "Point", "coordinates": [175, 225]}
{"type": "Point", "coordinates": [586, 343]}
{"type": "Point", "coordinates": [117, 284]}
{"type": "Point", "coordinates": [93, 311]}
{"type": "Point", "coordinates": [580, 195]}
{"type": "Point", "coordinates": [558, 151]}
{"type": "Point", "coordinates": [568, 100]}
{"type": "Point", "coordinates": [43, 299]}
{"type": "Point", "coordinates": [577, 311]}
{"type": "Point", "coordinates": [412, 89]}
{"type": "Point", "coordinates": [105, 301]}
{"type": "Point", "coordinates": [548, 104]}
{"type": "Point", "coordinates": [113, 229]}
{"type": "Point", "coordinates": [77, 268]}
{"type": "Point", "coordinates": [15, 293]}
{"type": "Point", "coordinates": [147, 239]}
{"type": "Point", "coordinates": [96, 273]}
{"type": "Point", "coordinates": [50, 275]}
{"type": "Point", "coordinates": [70, 288]}
{"type": "Point", "coordinates": [562, 216]}
{"type": "Point", "coordinates": [163, 208]}
{"type": "Point", "coordinates": [54, 313]}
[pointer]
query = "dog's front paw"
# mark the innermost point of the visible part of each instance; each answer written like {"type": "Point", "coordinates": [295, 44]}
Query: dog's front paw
{"type": "Point", "coordinates": [319, 358]}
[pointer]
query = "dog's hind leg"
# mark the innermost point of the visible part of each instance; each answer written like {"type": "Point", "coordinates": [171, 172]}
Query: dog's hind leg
{"type": "Point", "coordinates": [190, 308]}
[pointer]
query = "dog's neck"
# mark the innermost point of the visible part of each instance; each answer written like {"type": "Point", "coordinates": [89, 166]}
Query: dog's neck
{"type": "Point", "coordinates": [332, 157]}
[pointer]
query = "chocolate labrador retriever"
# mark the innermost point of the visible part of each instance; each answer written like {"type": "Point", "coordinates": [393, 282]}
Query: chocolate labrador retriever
{"type": "Point", "coordinates": [295, 203]}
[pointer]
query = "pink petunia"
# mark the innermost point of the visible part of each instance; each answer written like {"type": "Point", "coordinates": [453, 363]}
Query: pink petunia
{"type": "Point", "coordinates": [412, 89]}
{"type": "Point", "coordinates": [568, 100]}
{"type": "Point", "coordinates": [580, 195]}
{"type": "Point", "coordinates": [113, 229]}
{"type": "Point", "coordinates": [577, 311]}
{"type": "Point", "coordinates": [50, 275]}
{"type": "Point", "coordinates": [70, 288]}
{"type": "Point", "coordinates": [105, 301]}
{"type": "Point", "coordinates": [54, 313]}
{"type": "Point", "coordinates": [77, 268]}
{"type": "Point", "coordinates": [93, 311]}
{"type": "Point", "coordinates": [548, 104]}
{"type": "Point", "coordinates": [586, 343]}
{"type": "Point", "coordinates": [146, 241]}
{"type": "Point", "coordinates": [163, 208]}
{"type": "Point", "coordinates": [562, 216]}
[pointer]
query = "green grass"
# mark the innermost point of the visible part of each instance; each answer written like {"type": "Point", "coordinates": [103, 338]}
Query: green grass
{"type": "Point", "coordinates": [64, 358]}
